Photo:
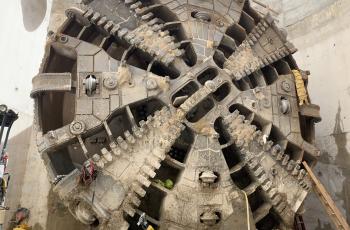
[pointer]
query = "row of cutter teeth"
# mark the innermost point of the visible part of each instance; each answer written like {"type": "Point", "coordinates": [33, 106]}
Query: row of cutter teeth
{"type": "Point", "coordinates": [125, 145]}
{"type": "Point", "coordinates": [102, 21]}
{"type": "Point", "coordinates": [242, 138]}
{"type": "Point", "coordinates": [278, 202]}
{"type": "Point", "coordinates": [251, 40]}
{"type": "Point", "coordinates": [156, 25]}
{"type": "Point", "coordinates": [153, 161]}
{"type": "Point", "coordinates": [242, 133]}
{"type": "Point", "coordinates": [173, 123]}
{"type": "Point", "coordinates": [159, 43]}
{"type": "Point", "coordinates": [291, 166]}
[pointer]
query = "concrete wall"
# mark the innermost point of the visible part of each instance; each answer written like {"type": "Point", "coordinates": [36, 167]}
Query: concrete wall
{"type": "Point", "coordinates": [320, 30]}
{"type": "Point", "coordinates": [294, 11]}
{"type": "Point", "coordinates": [23, 26]}
{"type": "Point", "coordinates": [323, 43]}
{"type": "Point", "coordinates": [23, 32]}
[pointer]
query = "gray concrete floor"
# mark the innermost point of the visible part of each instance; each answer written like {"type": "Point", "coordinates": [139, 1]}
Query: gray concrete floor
{"type": "Point", "coordinates": [19, 145]}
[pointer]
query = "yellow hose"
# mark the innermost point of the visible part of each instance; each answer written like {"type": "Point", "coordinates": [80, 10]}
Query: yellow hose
{"type": "Point", "coordinates": [22, 227]}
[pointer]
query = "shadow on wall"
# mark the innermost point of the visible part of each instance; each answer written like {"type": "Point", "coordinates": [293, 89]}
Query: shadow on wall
{"type": "Point", "coordinates": [33, 12]}
{"type": "Point", "coordinates": [333, 170]}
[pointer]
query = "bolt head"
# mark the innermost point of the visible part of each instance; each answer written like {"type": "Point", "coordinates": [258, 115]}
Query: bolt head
{"type": "Point", "coordinates": [210, 85]}
{"type": "Point", "coordinates": [220, 23]}
{"type": "Point", "coordinates": [266, 103]}
{"type": "Point", "coordinates": [51, 134]}
{"type": "Point", "coordinates": [63, 39]}
{"type": "Point", "coordinates": [286, 86]}
{"type": "Point", "coordinates": [77, 127]}
{"type": "Point", "coordinates": [151, 84]}
{"type": "Point", "coordinates": [3, 108]}
{"type": "Point", "coordinates": [274, 172]}
{"type": "Point", "coordinates": [110, 82]}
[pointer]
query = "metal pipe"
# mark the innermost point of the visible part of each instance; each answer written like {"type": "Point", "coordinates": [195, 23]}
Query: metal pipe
{"type": "Point", "coordinates": [5, 142]}
{"type": "Point", "coordinates": [3, 123]}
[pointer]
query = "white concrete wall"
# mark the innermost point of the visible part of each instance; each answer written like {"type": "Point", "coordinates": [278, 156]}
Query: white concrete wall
{"type": "Point", "coordinates": [20, 57]}
{"type": "Point", "coordinates": [320, 29]}
{"type": "Point", "coordinates": [293, 11]}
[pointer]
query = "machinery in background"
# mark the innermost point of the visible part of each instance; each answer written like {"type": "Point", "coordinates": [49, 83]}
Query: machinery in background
{"type": "Point", "coordinates": [7, 118]}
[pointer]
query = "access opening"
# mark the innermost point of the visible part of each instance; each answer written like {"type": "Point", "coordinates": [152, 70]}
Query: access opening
{"type": "Point", "coordinates": [241, 178]}
{"type": "Point", "coordinates": [141, 110]}
{"type": "Point", "coordinates": [220, 129]}
{"type": "Point", "coordinates": [183, 93]}
{"type": "Point", "coordinates": [206, 75]}
{"type": "Point", "coordinates": [200, 110]}
{"type": "Point", "coordinates": [222, 92]}
{"type": "Point", "coordinates": [119, 123]}
{"type": "Point", "coordinates": [182, 145]}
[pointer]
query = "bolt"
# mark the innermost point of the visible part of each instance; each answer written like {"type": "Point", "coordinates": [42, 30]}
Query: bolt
{"type": "Point", "coordinates": [151, 84]}
{"type": "Point", "coordinates": [77, 127]}
{"type": "Point", "coordinates": [110, 82]}
{"type": "Point", "coordinates": [3, 108]}
{"type": "Point", "coordinates": [273, 172]}
{"type": "Point", "coordinates": [266, 103]}
{"type": "Point", "coordinates": [285, 86]}
{"type": "Point", "coordinates": [51, 134]}
{"type": "Point", "coordinates": [220, 23]}
{"type": "Point", "coordinates": [50, 33]}
{"type": "Point", "coordinates": [210, 85]}
{"type": "Point", "coordinates": [63, 39]}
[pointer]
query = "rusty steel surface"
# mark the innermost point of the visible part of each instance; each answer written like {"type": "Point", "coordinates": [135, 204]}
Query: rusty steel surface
{"type": "Point", "coordinates": [186, 111]}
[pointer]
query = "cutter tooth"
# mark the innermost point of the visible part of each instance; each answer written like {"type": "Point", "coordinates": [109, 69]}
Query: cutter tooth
{"type": "Point", "coordinates": [302, 174]}
{"type": "Point", "coordinates": [135, 5]}
{"type": "Point", "coordinates": [285, 160]}
{"type": "Point", "coordinates": [134, 199]}
{"type": "Point", "coordinates": [154, 162]}
{"type": "Point", "coordinates": [95, 17]}
{"type": "Point", "coordinates": [129, 210]}
{"type": "Point", "coordinates": [291, 165]}
{"type": "Point", "coordinates": [143, 180]}
{"type": "Point", "coordinates": [138, 190]}
{"type": "Point", "coordinates": [147, 16]}
{"type": "Point", "coordinates": [129, 2]}
{"type": "Point", "coordinates": [148, 171]}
